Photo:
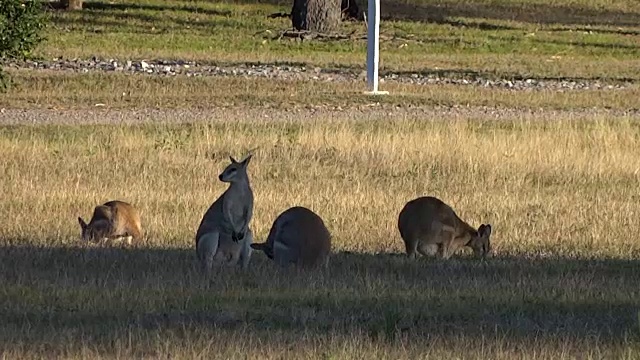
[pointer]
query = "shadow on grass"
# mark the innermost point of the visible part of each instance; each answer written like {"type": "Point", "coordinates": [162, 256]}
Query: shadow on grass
{"type": "Point", "coordinates": [98, 290]}
{"type": "Point", "coordinates": [527, 13]}
{"type": "Point", "coordinates": [109, 17]}
{"type": "Point", "coordinates": [99, 26]}
{"type": "Point", "coordinates": [109, 6]}
{"type": "Point", "coordinates": [442, 11]}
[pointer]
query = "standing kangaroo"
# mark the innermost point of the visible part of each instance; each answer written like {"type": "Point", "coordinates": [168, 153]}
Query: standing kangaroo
{"type": "Point", "coordinates": [297, 236]}
{"type": "Point", "coordinates": [113, 220]}
{"type": "Point", "coordinates": [224, 236]}
{"type": "Point", "coordinates": [429, 226]}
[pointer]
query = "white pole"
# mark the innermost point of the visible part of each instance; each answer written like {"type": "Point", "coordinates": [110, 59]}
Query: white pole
{"type": "Point", "coordinates": [373, 47]}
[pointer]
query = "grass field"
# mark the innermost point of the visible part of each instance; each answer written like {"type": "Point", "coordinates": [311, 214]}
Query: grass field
{"type": "Point", "coordinates": [556, 173]}
{"type": "Point", "coordinates": [567, 40]}
{"type": "Point", "coordinates": [528, 38]}
{"type": "Point", "coordinates": [563, 283]}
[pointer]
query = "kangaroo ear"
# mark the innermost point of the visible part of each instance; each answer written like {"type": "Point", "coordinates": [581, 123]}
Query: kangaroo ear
{"type": "Point", "coordinates": [484, 230]}
{"type": "Point", "coordinates": [246, 160]}
{"type": "Point", "coordinates": [83, 224]}
{"type": "Point", "coordinates": [233, 161]}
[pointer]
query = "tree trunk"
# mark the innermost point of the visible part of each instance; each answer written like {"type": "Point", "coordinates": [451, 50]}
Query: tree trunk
{"type": "Point", "coordinates": [73, 4]}
{"type": "Point", "coordinates": [321, 16]}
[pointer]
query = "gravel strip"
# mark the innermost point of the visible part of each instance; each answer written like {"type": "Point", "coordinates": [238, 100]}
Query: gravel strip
{"type": "Point", "coordinates": [295, 72]}
{"type": "Point", "coordinates": [364, 113]}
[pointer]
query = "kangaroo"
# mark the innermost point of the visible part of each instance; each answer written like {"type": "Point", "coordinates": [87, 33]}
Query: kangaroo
{"type": "Point", "coordinates": [297, 236]}
{"type": "Point", "coordinates": [429, 226]}
{"type": "Point", "coordinates": [224, 236]}
{"type": "Point", "coordinates": [114, 220]}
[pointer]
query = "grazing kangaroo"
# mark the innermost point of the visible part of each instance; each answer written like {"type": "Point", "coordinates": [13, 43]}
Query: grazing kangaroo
{"type": "Point", "coordinates": [297, 236]}
{"type": "Point", "coordinates": [114, 220]}
{"type": "Point", "coordinates": [224, 236]}
{"type": "Point", "coordinates": [429, 226]}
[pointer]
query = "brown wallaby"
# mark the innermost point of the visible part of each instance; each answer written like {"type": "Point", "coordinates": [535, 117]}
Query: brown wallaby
{"type": "Point", "coordinates": [429, 226]}
{"type": "Point", "coordinates": [114, 220]}
{"type": "Point", "coordinates": [298, 236]}
{"type": "Point", "coordinates": [224, 236]}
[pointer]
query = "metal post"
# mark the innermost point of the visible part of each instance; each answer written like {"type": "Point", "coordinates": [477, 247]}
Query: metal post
{"type": "Point", "coordinates": [373, 48]}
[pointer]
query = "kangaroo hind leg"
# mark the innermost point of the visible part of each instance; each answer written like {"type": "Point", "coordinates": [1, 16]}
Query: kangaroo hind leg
{"type": "Point", "coordinates": [207, 249]}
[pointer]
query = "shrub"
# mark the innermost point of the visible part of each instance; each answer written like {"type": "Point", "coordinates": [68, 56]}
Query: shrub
{"type": "Point", "coordinates": [21, 25]}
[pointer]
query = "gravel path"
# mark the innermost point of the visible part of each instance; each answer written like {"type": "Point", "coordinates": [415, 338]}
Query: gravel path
{"type": "Point", "coordinates": [294, 72]}
{"type": "Point", "coordinates": [364, 113]}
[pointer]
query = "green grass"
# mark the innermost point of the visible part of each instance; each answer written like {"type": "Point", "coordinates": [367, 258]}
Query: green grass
{"type": "Point", "coordinates": [586, 40]}
{"type": "Point", "coordinates": [498, 38]}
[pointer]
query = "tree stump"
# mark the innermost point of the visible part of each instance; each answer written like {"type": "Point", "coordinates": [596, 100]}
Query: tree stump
{"type": "Point", "coordinates": [322, 16]}
{"type": "Point", "coordinates": [73, 4]}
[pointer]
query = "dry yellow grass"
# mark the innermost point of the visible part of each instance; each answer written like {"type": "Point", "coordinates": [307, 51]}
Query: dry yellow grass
{"type": "Point", "coordinates": [562, 196]}
{"type": "Point", "coordinates": [546, 184]}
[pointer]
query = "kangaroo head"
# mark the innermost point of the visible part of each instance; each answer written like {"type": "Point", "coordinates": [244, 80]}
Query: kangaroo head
{"type": "Point", "coordinates": [480, 241]}
{"type": "Point", "coordinates": [234, 171]}
{"type": "Point", "coordinates": [85, 229]}
{"type": "Point", "coordinates": [93, 231]}
{"type": "Point", "coordinates": [264, 247]}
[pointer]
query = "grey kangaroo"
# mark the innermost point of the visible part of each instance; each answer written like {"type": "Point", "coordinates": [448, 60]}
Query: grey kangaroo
{"type": "Point", "coordinates": [429, 226]}
{"type": "Point", "coordinates": [224, 236]}
{"type": "Point", "coordinates": [298, 236]}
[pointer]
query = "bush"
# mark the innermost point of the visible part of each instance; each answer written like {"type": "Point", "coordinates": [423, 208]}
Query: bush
{"type": "Point", "coordinates": [21, 25]}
